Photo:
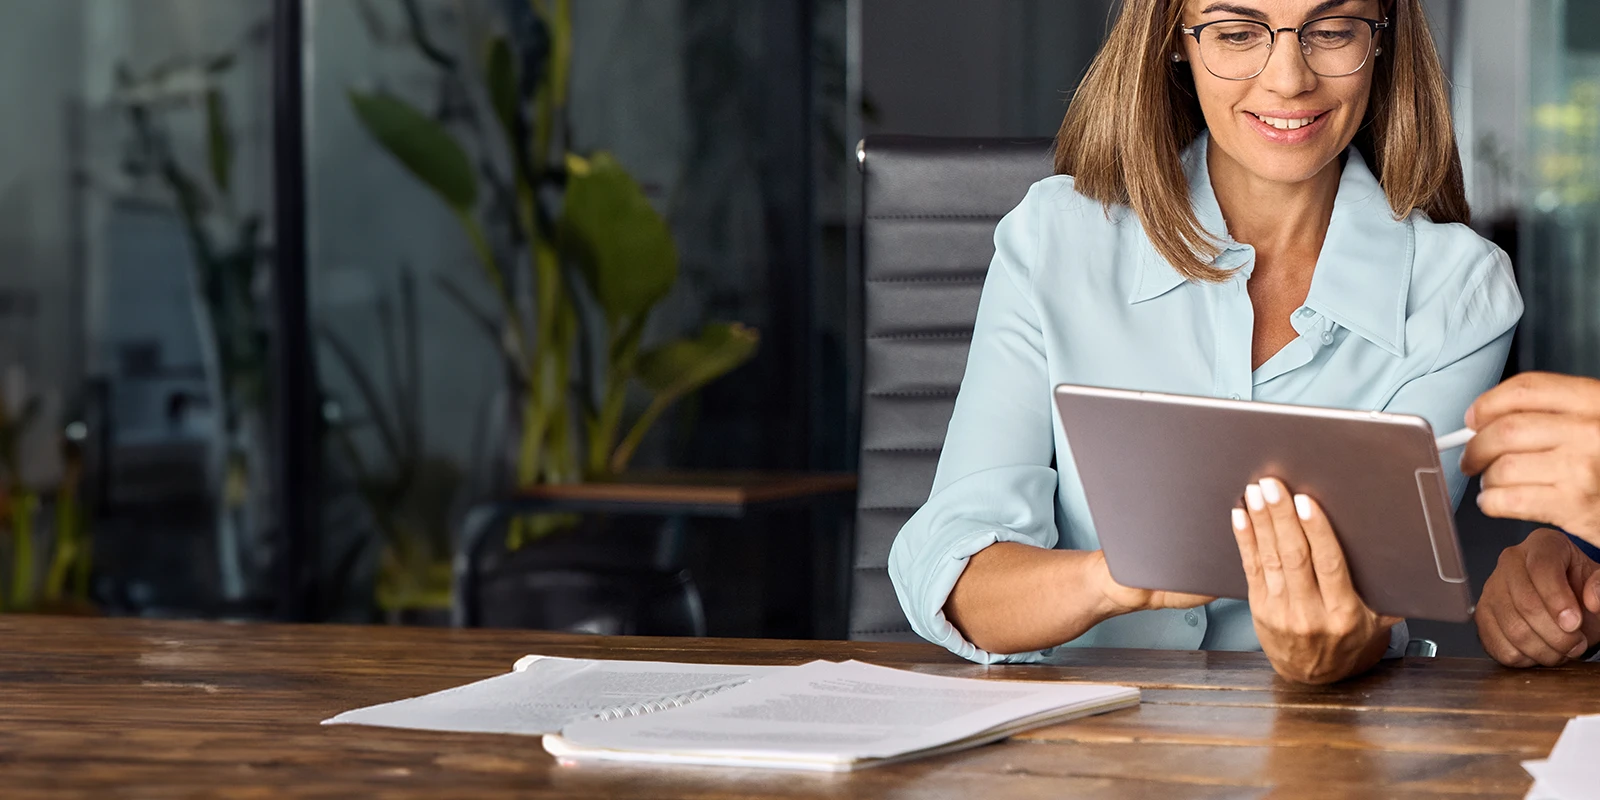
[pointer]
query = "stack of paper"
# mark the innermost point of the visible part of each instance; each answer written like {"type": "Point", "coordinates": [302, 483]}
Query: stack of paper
{"type": "Point", "coordinates": [817, 716]}
{"type": "Point", "coordinates": [1567, 773]}
{"type": "Point", "coordinates": [834, 718]}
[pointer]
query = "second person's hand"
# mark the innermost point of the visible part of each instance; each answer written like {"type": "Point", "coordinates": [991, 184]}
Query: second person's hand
{"type": "Point", "coordinates": [1533, 606]}
{"type": "Point", "coordinates": [1538, 450]}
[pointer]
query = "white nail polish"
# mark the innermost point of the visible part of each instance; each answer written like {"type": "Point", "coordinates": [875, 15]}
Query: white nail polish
{"type": "Point", "coordinates": [1239, 519]}
{"type": "Point", "coordinates": [1270, 490]}
{"type": "Point", "coordinates": [1252, 497]}
{"type": "Point", "coordinates": [1302, 506]}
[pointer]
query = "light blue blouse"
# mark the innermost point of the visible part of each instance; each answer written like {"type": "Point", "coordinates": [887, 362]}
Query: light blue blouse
{"type": "Point", "coordinates": [1404, 315]}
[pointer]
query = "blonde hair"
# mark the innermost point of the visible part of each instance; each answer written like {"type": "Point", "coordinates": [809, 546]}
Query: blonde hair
{"type": "Point", "coordinates": [1136, 111]}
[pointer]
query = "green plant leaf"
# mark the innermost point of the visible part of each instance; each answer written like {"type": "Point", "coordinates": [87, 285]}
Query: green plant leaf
{"type": "Point", "coordinates": [219, 139]}
{"type": "Point", "coordinates": [421, 144]}
{"type": "Point", "coordinates": [622, 246]}
{"type": "Point", "coordinates": [678, 368]}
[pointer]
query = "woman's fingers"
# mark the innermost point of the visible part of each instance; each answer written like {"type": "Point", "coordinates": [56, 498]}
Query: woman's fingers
{"type": "Point", "coordinates": [1294, 551]}
{"type": "Point", "coordinates": [1266, 541]}
{"type": "Point", "coordinates": [1327, 557]}
{"type": "Point", "coordinates": [1244, 534]}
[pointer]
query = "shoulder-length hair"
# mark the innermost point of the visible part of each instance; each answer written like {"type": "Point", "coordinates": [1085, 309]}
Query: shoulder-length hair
{"type": "Point", "coordinates": [1136, 111]}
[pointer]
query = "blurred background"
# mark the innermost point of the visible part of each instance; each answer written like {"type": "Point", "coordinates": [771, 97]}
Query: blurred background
{"type": "Point", "coordinates": [294, 290]}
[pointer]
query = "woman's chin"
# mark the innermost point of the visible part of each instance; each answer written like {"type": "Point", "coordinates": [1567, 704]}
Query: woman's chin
{"type": "Point", "coordinates": [1287, 168]}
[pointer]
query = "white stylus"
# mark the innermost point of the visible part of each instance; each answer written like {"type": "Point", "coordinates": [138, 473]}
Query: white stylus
{"type": "Point", "coordinates": [1451, 441]}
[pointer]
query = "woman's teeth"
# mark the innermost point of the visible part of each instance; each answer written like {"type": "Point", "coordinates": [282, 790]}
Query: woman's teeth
{"type": "Point", "coordinates": [1286, 124]}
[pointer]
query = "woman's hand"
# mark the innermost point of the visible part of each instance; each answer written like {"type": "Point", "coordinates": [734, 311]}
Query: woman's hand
{"type": "Point", "coordinates": [1311, 623]}
{"type": "Point", "coordinates": [1117, 599]}
{"type": "Point", "coordinates": [1015, 598]}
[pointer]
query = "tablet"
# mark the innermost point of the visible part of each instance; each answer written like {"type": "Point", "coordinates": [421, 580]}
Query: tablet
{"type": "Point", "coordinates": [1162, 474]}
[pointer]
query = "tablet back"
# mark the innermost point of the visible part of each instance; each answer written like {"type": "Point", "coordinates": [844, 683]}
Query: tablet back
{"type": "Point", "coordinates": [1162, 474]}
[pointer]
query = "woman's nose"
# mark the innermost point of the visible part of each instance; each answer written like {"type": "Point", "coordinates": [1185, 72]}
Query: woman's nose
{"type": "Point", "coordinates": [1287, 73]}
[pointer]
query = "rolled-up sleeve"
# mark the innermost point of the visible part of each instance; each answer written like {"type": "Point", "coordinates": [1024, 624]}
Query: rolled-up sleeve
{"type": "Point", "coordinates": [994, 482]}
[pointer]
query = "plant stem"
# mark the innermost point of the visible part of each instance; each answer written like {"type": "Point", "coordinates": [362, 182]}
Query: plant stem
{"type": "Point", "coordinates": [480, 247]}
{"type": "Point", "coordinates": [622, 353]}
{"type": "Point", "coordinates": [23, 505]}
{"type": "Point", "coordinates": [68, 547]}
{"type": "Point", "coordinates": [630, 443]}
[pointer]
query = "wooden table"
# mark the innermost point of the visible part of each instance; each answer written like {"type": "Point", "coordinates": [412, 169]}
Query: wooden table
{"type": "Point", "coordinates": [118, 707]}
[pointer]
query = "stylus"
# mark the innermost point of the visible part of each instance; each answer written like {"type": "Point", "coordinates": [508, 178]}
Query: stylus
{"type": "Point", "coordinates": [1451, 441]}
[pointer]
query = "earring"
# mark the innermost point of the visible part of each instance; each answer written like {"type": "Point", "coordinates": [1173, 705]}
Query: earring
{"type": "Point", "coordinates": [1378, 52]}
{"type": "Point", "coordinates": [1176, 58]}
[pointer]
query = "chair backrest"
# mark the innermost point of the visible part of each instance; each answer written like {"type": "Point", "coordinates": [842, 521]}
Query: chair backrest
{"type": "Point", "coordinates": [930, 207]}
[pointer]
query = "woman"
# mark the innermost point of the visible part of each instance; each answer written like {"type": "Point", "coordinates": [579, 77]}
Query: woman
{"type": "Point", "coordinates": [1229, 218]}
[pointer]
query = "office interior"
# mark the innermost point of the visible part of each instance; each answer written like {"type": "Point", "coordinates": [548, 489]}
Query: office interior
{"type": "Point", "coordinates": [254, 343]}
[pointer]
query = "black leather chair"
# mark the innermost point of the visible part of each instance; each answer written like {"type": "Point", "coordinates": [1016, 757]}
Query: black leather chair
{"type": "Point", "coordinates": [930, 209]}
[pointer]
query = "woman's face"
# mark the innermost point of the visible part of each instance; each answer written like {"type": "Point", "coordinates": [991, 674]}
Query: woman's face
{"type": "Point", "coordinates": [1287, 123]}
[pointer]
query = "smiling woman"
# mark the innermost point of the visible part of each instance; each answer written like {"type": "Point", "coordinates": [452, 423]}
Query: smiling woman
{"type": "Point", "coordinates": [1129, 153]}
{"type": "Point", "coordinates": [1233, 217]}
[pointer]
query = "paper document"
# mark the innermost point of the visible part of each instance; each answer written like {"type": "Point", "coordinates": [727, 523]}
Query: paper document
{"type": "Point", "coordinates": [543, 694]}
{"type": "Point", "coordinates": [830, 716]}
{"type": "Point", "coordinates": [1568, 773]}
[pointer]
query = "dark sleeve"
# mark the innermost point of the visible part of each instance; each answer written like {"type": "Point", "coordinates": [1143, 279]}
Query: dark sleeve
{"type": "Point", "coordinates": [1588, 549]}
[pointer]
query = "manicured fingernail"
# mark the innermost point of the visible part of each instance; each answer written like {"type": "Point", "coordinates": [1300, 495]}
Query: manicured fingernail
{"type": "Point", "coordinates": [1569, 620]}
{"type": "Point", "coordinates": [1583, 647]}
{"type": "Point", "coordinates": [1471, 419]}
{"type": "Point", "coordinates": [1302, 506]}
{"type": "Point", "coordinates": [1239, 519]}
{"type": "Point", "coordinates": [1252, 497]}
{"type": "Point", "coordinates": [1272, 491]}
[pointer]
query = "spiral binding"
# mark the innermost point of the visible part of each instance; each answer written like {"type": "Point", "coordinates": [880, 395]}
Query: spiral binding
{"type": "Point", "coordinates": [640, 709]}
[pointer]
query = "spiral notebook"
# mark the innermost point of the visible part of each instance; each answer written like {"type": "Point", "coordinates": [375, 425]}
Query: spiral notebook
{"type": "Point", "coordinates": [542, 694]}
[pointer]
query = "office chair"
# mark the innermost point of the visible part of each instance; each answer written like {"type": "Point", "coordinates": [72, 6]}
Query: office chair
{"type": "Point", "coordinates": [929, 210]}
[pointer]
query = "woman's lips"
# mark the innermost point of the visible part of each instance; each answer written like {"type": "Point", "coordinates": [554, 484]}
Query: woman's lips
{"type": "Point", "coordinates": [1286, 135]}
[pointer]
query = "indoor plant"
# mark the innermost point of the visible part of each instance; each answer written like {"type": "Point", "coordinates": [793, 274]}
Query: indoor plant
{"type": "Point", "coordinates": [575, 254]}
{"type": "Point", "coordinates": [61, 547]}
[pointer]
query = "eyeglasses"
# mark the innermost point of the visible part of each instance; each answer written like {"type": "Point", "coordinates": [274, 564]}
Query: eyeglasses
{"type": "Point", "coordinates": [1238, 49]}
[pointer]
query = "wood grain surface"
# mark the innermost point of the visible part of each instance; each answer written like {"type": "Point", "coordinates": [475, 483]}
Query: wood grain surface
{"type": "Point", "coordinates": [151, 709]}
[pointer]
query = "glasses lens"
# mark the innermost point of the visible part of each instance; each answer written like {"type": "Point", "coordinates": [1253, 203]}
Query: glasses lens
{"type": "Point", "coordinates": [1235, 50]}
{"type": "Point", "coordinates": [1335, 47]}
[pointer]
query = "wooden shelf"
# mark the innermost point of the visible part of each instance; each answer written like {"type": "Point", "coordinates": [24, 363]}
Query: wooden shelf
{"type": "Point", "coordinates": [698, 488]}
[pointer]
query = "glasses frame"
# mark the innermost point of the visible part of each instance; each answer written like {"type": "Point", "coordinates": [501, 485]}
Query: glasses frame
{"type": "Point", "coordinates": [1272, 41]}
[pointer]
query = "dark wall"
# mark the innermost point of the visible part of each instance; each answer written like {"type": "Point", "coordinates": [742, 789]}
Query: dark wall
{"type": "Point", "coordinates": [958, 68]}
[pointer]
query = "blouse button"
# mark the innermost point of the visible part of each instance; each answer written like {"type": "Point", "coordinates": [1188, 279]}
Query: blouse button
{"type": "Point", "coordinates": [1192, 618]}
{"type": "Point", "coordinates": [1327, 336]}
